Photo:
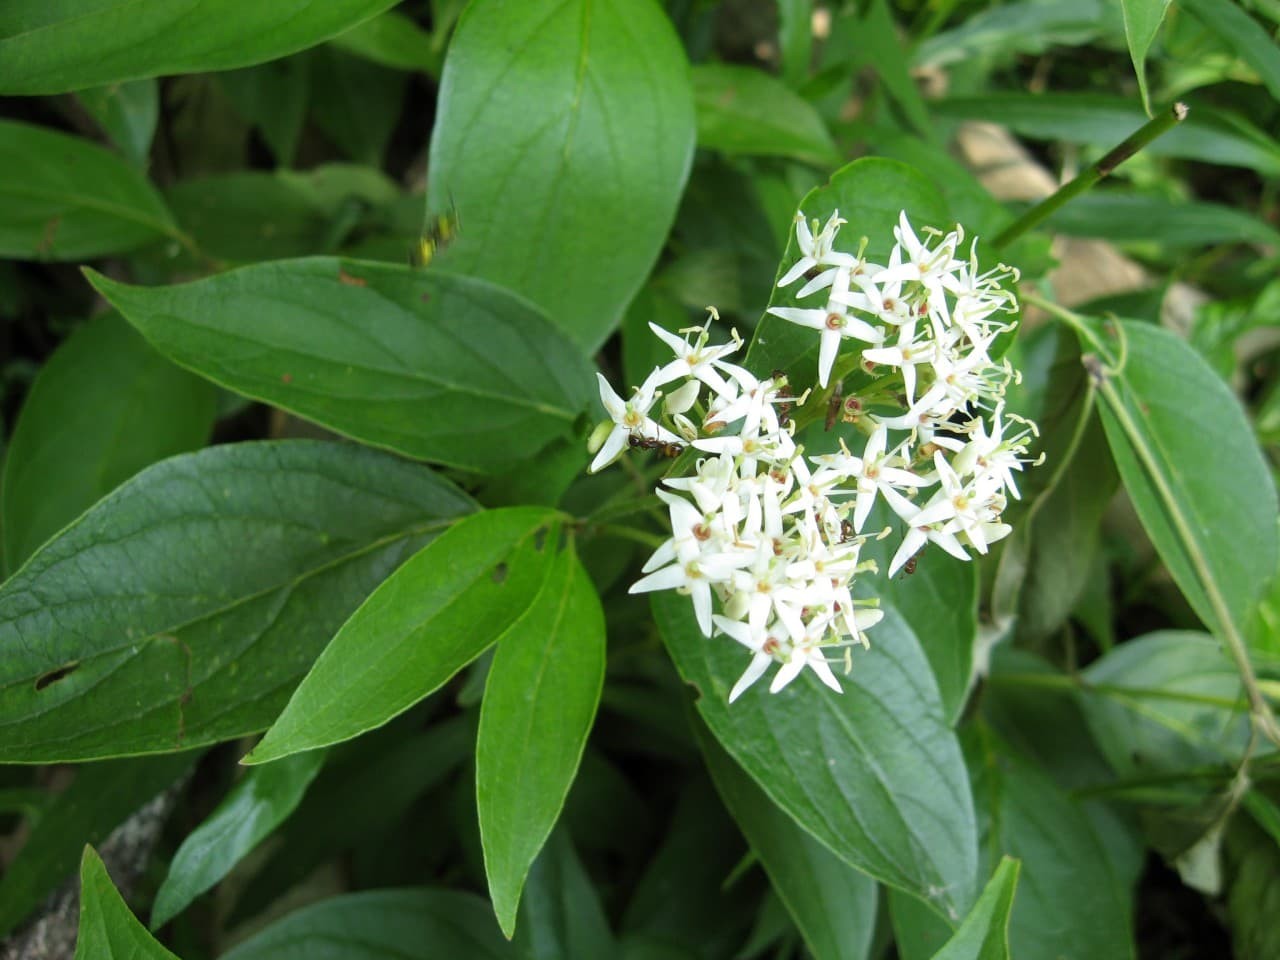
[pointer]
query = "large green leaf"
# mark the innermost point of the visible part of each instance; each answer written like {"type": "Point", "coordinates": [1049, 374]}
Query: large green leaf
{"type": "Point", "coordinates": [869, 194]}
{"type": "Point", "coordinates": [437, 613]}
{"type": "Point", "coordinates": [539, 702]}
{"type": "Point", "coordinates": [65, 198]}
{"type": "Point", "coordinates": [1198, 481]}
{"type": "Point", "coordinates": [59, 47]}
{"type": "Point", "coordinates": [1105, 121]}
{"type": "Point", "coordinates": [429, 364]}
{"type": "Point", "coordinates": [1164, 703]}
{"type": "Point", "coordinates": [383, 925]}
{"type": "Point", "coordinates": [832, 904]}
{"type": "Point", "coordinates": [742, 110]}
{"type": "Point", "coordinates": [984, 935]}
{"type": "Point", "coordinates": [246, 816]}
{"type": "Point", "coordinates": [183, 608]}
{"type": "Point", "coordinates": [1026, 815]}
{"type": "Point", "coordinates": [108, 930]}
{"type": "Point", "coordinates": [1142, 18]}
{"type": "Point", "coordinates": [104, 406]}
{"type": "Point", "coordinates": [875, 773]}
{"type": "Point", "coordinates": [564, 136]}
{"type": "Point", "coordinates": [100, 797]}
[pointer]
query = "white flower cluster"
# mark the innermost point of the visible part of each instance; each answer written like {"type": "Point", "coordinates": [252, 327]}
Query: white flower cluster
{"type": "Point", "coordinates": [776, 536]}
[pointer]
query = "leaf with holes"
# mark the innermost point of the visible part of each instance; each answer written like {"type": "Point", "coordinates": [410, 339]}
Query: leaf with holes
{"type": "Point", "coordinates": [184, 607]}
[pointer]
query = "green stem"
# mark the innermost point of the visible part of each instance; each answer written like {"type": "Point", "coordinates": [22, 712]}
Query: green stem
{"type": "Point", "coordinates": [1136, 141]}
{"type": "Point", "coordinates": [650, 540]}
{"type": "Point", "coordinates": [1072, 682]}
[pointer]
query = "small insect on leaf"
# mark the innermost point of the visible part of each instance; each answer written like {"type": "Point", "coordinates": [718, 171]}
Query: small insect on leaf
{"type": "Point", "coordinates": [440, 231]}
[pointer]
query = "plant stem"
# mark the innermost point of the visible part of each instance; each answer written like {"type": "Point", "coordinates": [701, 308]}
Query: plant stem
{"type": "Point", "coordinates": [1135, 142]}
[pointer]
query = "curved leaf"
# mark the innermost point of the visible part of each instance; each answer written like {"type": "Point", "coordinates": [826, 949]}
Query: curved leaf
{"type": "Point", "coordinates": [539, 702]}
{"type": "Point", "coordinates": [108, 930]}
{"type": "Point", "coordinates": [382, 925]}
{"type": "Point", "coordinates": [1198, 481]}
{"type": "Point", "coordinates": [65, 198]}
{"type": "Point", "coordinates": [427, 621]}
{"type": "Point", "coordinates": [55, 48]}
{"type": "Point", "coordinates": [874, 773]}
{"type": "Point", "coordinates": [832, 904]}
{"type": "Point", "coordinates": [564, 134]}
{"type": "Point", "coordinates": [246, 816]}
{"type": "Point", "coordinates": [183, 608]}
{"type": "Point", "coordinates": [104, 406]}
{"type": "Point", "coordinates": [431, 365]}
{"type": "Point", "coordinates": [984, 935]}
{"type": "Point", "coordinates": [742, 110]}
{"type": "Point", "coordinates": [1142, 18]}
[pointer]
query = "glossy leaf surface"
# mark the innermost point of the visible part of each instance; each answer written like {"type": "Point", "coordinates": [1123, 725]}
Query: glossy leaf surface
{"type": "Point", "coordinates": [563, 140]}
{"type": "Point", "coordinates": [426, 622]}
{"type": "Point", "coordinates": [539, 704]}
{"type": "Point", "coordinates": [431, 365]}
{"type": "Point", "coordinates": [108, 930]}
{"type": "Point", "coordinates": [55, 47]}
{"type": "Point", "coordinates": [183, 608]}
{"type": "Point", "coordinates": [742, 110]}
{"type": "Point", "coordinates": [875, 773]}
{"type": "Point", "coordinates": [984, 935]}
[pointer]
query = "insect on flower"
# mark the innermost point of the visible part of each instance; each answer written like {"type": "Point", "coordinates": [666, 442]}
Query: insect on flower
{"type": "Point", "coordinates": [668, 448]}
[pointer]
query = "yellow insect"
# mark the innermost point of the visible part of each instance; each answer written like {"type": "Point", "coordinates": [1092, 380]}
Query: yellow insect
{"type": "Point", "coordinates": [440, 231]}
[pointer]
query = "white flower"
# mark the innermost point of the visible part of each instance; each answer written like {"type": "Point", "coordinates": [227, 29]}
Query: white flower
{"type": "Point", "coordinates": [629, 418]}
{"type": "Point", "coordinates": [816, 251]}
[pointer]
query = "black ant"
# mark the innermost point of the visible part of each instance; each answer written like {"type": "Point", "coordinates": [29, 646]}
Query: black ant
{"type": "Point", "coordinates": [668, 448]}
{"type": "Point", "coordinates": [910, 566]}
{"type": "Point", "coordinates": [833, 406]}
{"type": "Point", "coordinates": [784, 391]}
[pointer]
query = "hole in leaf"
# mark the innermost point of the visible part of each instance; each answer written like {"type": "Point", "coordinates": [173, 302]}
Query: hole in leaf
{"type": "Point", "coordinates": [53, 676]}
{"type": "Point", "coordinates": [500, 573]}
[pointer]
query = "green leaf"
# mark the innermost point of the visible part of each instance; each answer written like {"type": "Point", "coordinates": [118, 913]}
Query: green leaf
{"type": "Point", "coordinates": [539, 703]}
{"type": "Point", "coordinates": [795, 40]}
{"type": "Point", "coordinates": [104, 406]}
{"type": "Point", "coordinates": [1025, 815]}
{"type": "Point", "coordinates": [1166, 702]}
{"type": "Point", "coordinates": [128, 113]}
{"type": "Point", "coordinates": [55, 48]}
{"type": "Point", "coordinates": [1243, 34]}
{"type": "Point", "coordinates": [442, 609]}
{"type": "Point", "coordinates": [182, 609]}
{"type": "Point", "coordinates": [108, 930]}
{"type": "Point", "coordinates": [560, 912]}
{"type": "Point", "coordinates": [245, 817]}
{"type": "Point", "coordinates": [101, 796]}
{"type": "Point", "coordinates": [882, 49]}
{"type": "Point", "coordinates": [1103, 120]}
{"type": "Point", "coordinates": [869, 193]}
{"type": "Point", "coordinates": [564, 134]}
{"type": "Point", "coordinates": [939, 602]}
{"type": "Point", "coordinates": [1189, 462]}
{"type": "Point", "coordinates": [1012, 28]}
{"type": "Point", "coordinates": [984, 935]}
{"type": "Point", "coordinates": [64, 198]}
{"type": "Point", "coordinates": [1142, 18]}
{"type": "Point", "coordinates": [432, 365]}
{"type": "Point", "coordinates": [383, 925]}
{"type": "Point", "coordinates": [392, 40]}
{"type": "Point", "coordinates": [742, 110]}
{"type": "Point", "coordinates": [832, 904]}
{"type": "Point", "coordinates": [1134, 218]}
{"type": "Point", "coordinates": [874, 773]}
